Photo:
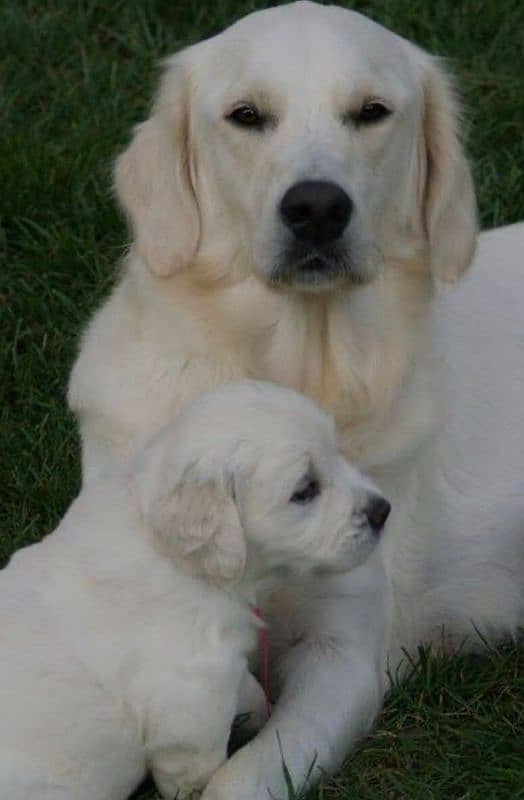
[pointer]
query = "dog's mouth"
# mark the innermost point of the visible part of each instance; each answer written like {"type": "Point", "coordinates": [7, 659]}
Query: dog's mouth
{"type": "Point", "coordinates": [314, 265]}
{"type": "Point", "coordinates": [314, 268]}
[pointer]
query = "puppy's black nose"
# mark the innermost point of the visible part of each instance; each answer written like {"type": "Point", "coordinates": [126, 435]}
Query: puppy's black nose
{"type": "Point", "coordinates": [316, 211]}
{"type": "Point", "coordinates": [376, 512]}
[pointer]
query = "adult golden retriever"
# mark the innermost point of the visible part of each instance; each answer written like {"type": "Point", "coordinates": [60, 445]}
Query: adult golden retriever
{"type": "Point", "coordinates": [296, 197]}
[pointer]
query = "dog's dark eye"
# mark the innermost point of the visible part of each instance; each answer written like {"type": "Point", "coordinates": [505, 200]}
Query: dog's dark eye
{"type": "Point", "coordinates": [246, 116]}
{"type": "Point", "coordinates": [307, 490]}
{"type": "Point", "coordinates": [373, 111]}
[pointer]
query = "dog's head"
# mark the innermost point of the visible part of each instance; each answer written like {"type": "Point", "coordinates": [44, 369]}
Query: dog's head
{"type": "Point", "coordinates": [251, 476]}
{"type": "Point", "coordinates": [305, 144]}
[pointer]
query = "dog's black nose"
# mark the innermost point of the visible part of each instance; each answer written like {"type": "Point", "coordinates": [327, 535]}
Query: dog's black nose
{"type": "Point", "coordinates": [376, 512]}
{"type": "Point", "coordinates": [316, 211]}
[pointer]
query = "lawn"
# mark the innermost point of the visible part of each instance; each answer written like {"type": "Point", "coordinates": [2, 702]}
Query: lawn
{"type": "Point", "coordinates": [74, 77]}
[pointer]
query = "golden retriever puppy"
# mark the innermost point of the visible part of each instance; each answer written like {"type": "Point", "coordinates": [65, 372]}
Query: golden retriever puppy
{"type": "Point", "coordinates": [297, 197]}
{"type": "Point", "coordinates": [125, 633]}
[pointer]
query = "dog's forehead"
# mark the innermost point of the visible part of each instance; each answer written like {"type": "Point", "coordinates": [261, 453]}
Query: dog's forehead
{"type": "Point", "coordinates": [304, 45]}
{"type": "Point", "coordinates": [267, 415]}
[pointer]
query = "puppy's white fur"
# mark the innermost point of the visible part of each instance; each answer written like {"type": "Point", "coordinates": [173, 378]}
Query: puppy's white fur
{"type": "Point", "coordinates": [125, 633]}
{"type": "Point", "coordinates": [425, 383]}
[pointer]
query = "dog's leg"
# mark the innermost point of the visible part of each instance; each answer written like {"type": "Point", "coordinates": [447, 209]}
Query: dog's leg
{"type": "Point", "coordinates": [26, 777]}
{"type": "Point", "coordinates": [252, 704]}
{"type": "Point", "coordinates": [333, 689]}
{"type": "Point", "coordinates": [187, 729]}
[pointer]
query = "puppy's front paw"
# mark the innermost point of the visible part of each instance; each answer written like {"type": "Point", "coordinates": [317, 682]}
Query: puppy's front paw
{"type": "Point", "coordinates": [168, 790]}
{"type": "Point", "coordinates": [183, 776]}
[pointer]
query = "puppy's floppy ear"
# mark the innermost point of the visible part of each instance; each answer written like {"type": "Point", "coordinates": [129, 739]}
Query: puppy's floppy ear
{"type": "Point", "coordinates": [197, 522]}
{"type": "Point", "coordinates": [448, 197]}
{"type": "Point", "coordinates": [153, 181]}
{"type": "Point", "coordinates": [207, 529]}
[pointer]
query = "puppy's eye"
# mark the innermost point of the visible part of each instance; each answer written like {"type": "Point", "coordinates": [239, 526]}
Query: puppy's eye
{"type": "Point", "coordinates": [246, 116]}
{"type": "Point", "coordinates": [371, 112]}
{"type": "Point", "coordinates": [306, 491]}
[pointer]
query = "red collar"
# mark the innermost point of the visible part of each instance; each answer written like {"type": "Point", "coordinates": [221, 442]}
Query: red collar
{"type": "Point", "coordinates": [263, 637]}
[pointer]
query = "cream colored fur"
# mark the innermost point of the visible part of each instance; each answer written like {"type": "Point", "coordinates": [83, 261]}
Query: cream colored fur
{"type": "Point", "coordinates": [392, 353]}
{"type": "Point", "coordinates": [126, 632]}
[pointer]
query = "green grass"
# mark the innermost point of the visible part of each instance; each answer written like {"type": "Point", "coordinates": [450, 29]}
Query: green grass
{"type": "Point", "coordinates": [74, 77]}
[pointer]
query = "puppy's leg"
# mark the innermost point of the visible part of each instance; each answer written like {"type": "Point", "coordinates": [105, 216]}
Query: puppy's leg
{"type": "Point", "coordinates": [333, 689]}
{"type": "Point", "coordinates": [22, 779]}
{"type": "Point", "coordinates": [188, 727]}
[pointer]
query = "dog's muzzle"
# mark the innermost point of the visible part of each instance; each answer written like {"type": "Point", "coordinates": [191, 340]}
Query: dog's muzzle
{"type": "Point", "coordinates": [316, 213]}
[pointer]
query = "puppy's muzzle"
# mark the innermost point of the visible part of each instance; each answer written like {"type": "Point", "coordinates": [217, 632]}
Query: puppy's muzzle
{"type": "Point", "coordinates": [376, 511]}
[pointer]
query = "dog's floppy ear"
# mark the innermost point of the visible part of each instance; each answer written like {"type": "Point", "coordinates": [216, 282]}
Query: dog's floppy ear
{"type": "Point", "coordinates": [448, 197]}
{"type": "Point", "coordinates": [195, 521]}
{"type": "Point", "coordinates": [153, 181]}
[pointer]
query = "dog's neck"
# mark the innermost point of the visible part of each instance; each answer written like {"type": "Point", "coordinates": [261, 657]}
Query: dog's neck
{"type": "Point", "coordinates": [352, 349]}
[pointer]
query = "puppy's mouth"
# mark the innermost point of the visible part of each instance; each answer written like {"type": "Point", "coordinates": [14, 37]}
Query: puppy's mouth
{"type": "Point", "coordinates": [315, 268]}
{"type": "Point", "coordinates": [352, 554]}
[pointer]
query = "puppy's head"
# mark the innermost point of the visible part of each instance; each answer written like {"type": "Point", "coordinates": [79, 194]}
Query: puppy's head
{"type": "Point", "coordinates": [251, 477]}
{"type": "Point", "coordinates": [305, 144]}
